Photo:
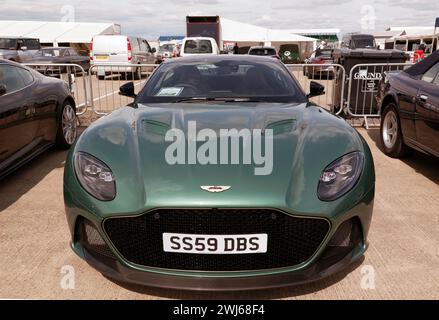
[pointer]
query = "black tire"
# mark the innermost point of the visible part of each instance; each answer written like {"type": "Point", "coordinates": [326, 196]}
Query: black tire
{"type": "Point", "coordinates": [391, 137]}
{"type": "Point", "coordinates": [67, 126]}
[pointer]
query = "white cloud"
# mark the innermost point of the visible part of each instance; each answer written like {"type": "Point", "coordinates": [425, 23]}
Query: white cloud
{"type": "Point", "coordinates": [152, 18]}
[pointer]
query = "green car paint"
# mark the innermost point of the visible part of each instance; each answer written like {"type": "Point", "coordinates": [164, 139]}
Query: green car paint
{"type": "Point", "coordinates": [131, 141]}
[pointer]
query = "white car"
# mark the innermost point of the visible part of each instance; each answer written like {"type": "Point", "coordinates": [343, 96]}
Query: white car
{"type": "Point", "coordinates": [110, 50]}
{"type": "Point", "coordinates": [199, 45]}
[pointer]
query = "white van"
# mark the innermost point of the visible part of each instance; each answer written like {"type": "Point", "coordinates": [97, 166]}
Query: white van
{"type": "Point", "coordinates": [115, 49]}
{"type": "Point", "coordinates": [198, 45]}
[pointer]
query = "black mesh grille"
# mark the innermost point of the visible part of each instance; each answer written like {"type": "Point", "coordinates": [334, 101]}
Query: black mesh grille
{"type": "Point", "coordinates": [291, 240]}
{"type": "Point", "coordinates": [90, 238]}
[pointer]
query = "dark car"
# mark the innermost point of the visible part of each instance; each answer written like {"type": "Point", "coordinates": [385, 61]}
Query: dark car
{"type": "Point", "coordinates": [36, 112]}
{"type": "Point", "coordinates": [19, 49]}
{"type": "Point", "coordinates": [263, 51]}
{"type": "Point", "coordinates": [323, 58]}
{"type": "Point", "coordinates": [60, 56]}
{"type": "Point", "coordinates": [409, 105]}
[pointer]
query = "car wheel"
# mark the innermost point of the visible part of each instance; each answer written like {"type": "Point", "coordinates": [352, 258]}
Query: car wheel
{"type": "Point", "coordinates": [67, 127]}
{"type": "Point", "coordinates": [391, 133]}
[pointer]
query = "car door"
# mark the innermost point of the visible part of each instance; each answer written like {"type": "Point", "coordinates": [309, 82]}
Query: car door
{"type": "Point", "coordinates": [18, 124]}
{"type": "Point", "coordinates": [407, 89]}
{"type": "Point", "coordinates": [427, 110]}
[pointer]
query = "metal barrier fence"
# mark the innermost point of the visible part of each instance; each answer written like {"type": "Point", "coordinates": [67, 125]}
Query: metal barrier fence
{"type": "Point", "coordinates": [74, 75]}
{"type": "Point", "coordinates": [329, 75]}
{"type": "Point", "coordinates": [106, 79]}
{"type": "Point", "coordinates": [363, 85]}
{"type": "Point", "coordinates": [98, 89]}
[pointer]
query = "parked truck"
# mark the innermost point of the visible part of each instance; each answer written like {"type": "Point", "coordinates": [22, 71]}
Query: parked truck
{"type": "Point", "coordinates": [204, 26]}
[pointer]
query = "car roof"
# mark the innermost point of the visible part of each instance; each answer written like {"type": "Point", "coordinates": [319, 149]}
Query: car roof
{"type": "Point", "coordinates": [198, 38]}
{"type": "Point", "coordinates": [208, 58]}
{"type": "Point", "coordinates": [262, 47]}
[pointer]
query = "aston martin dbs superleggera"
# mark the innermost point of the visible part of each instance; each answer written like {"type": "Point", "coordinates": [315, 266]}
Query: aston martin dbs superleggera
{"type": "Point", "coordinates": [220, 176]}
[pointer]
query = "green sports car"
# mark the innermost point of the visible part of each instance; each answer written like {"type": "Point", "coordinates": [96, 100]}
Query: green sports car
{"type": "Point", "coordinates": [221, 175]}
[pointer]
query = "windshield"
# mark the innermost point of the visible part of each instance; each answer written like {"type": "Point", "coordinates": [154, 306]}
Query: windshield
{"type": "Point", "coordinates": [262, 52]}
{"type": "Point", "coordinates": [364, 43]}
{"type": "Point", "coordinates": [167, 47]}
{"type": "Point", "coordinates": [8, 44]}
{"type": "Point", "coordinates": [255, 81]}
{"type": "Point", "coordinates": [198, 46]}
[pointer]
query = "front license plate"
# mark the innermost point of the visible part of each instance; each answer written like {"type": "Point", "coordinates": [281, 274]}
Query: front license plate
{"type": "Point", "coordinates": [215, 244]}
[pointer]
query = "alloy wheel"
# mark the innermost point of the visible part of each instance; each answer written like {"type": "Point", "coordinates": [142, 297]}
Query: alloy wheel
{"type": "Point", "coordinates": [390, 129]}
{"type": "Point", "coordinates": [69, 124]}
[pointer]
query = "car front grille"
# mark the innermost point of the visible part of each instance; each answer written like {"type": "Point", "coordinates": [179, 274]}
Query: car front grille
{"type": "Point", "coordinates": [291, 240]}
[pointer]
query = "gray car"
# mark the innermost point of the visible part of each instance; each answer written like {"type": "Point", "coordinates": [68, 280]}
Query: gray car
{"type": "Point", "coordinates": [19, 49]}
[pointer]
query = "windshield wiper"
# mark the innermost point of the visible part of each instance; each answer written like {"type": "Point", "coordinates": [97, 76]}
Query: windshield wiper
{"type": "Point", "coordinates": [222, 99]}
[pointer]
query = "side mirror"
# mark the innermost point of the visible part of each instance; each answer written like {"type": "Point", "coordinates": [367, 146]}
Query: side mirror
{"type": "Point", "coordinates": [127, 90]}
{"type": "Point", "coordinates": [2, 89]}
{"type": "Point", "coordinates": [153, 50]}
{"type": "Point", "coordinates": [315, 89]}
{"type": "Point", "coordinates": [24, 48]}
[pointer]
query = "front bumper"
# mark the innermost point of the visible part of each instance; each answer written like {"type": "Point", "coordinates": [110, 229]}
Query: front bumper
{"type": "Point", "coordinates": [323, 264]}
{"type": "Point", "coordinates": [113, 269]}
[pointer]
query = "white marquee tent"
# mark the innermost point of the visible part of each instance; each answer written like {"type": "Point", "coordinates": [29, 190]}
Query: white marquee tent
{"type": "Point", "coordinates": [53, 33]}
{"type": "Point", "coordinates": [246, 35]}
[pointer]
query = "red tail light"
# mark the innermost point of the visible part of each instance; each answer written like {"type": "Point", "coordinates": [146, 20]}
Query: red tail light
{"type": "Point", "coordinates": [130, 51]}
{"type": "Point", "coordinates": [91, 50]}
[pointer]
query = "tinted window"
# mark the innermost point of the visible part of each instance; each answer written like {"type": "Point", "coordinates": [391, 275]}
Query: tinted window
{"type": "Point", "coordinates": [263, 52]}
{"type": "Point", "coordinates": [31, 44]}
{"type": "Point", "coordinates": [9, 44]}
{"type": "Point", "coordinates": [198, 46]}
{"type": "Point", "coordinates": [265, 81]}
{"type": "Point", "coordinates": [363, 42]}
{"type": "Point", "coordinates": [167, 47]}
{"type": "Point", "coordinates": [10, 77]}
{"type": "Point", "coordinates": [50, 53]}
{"type": "Point", "coordinates": [26, 76]}
{"type": "Point", "coordinates": [431, 74]}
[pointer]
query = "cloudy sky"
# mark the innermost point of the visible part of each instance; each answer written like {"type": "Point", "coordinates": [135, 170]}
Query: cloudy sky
{"type": "Point", "coordinates": [151, 18]}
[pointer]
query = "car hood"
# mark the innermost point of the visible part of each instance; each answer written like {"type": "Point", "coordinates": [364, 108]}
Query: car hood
{"type": "Point", "coordinates": [131, 141]}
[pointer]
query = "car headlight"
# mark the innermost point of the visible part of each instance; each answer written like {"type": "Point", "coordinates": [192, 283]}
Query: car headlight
{"type": "Point", "coordinates": [95, 176]}
{"type": "Point", "coordinates": [340, 177]}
